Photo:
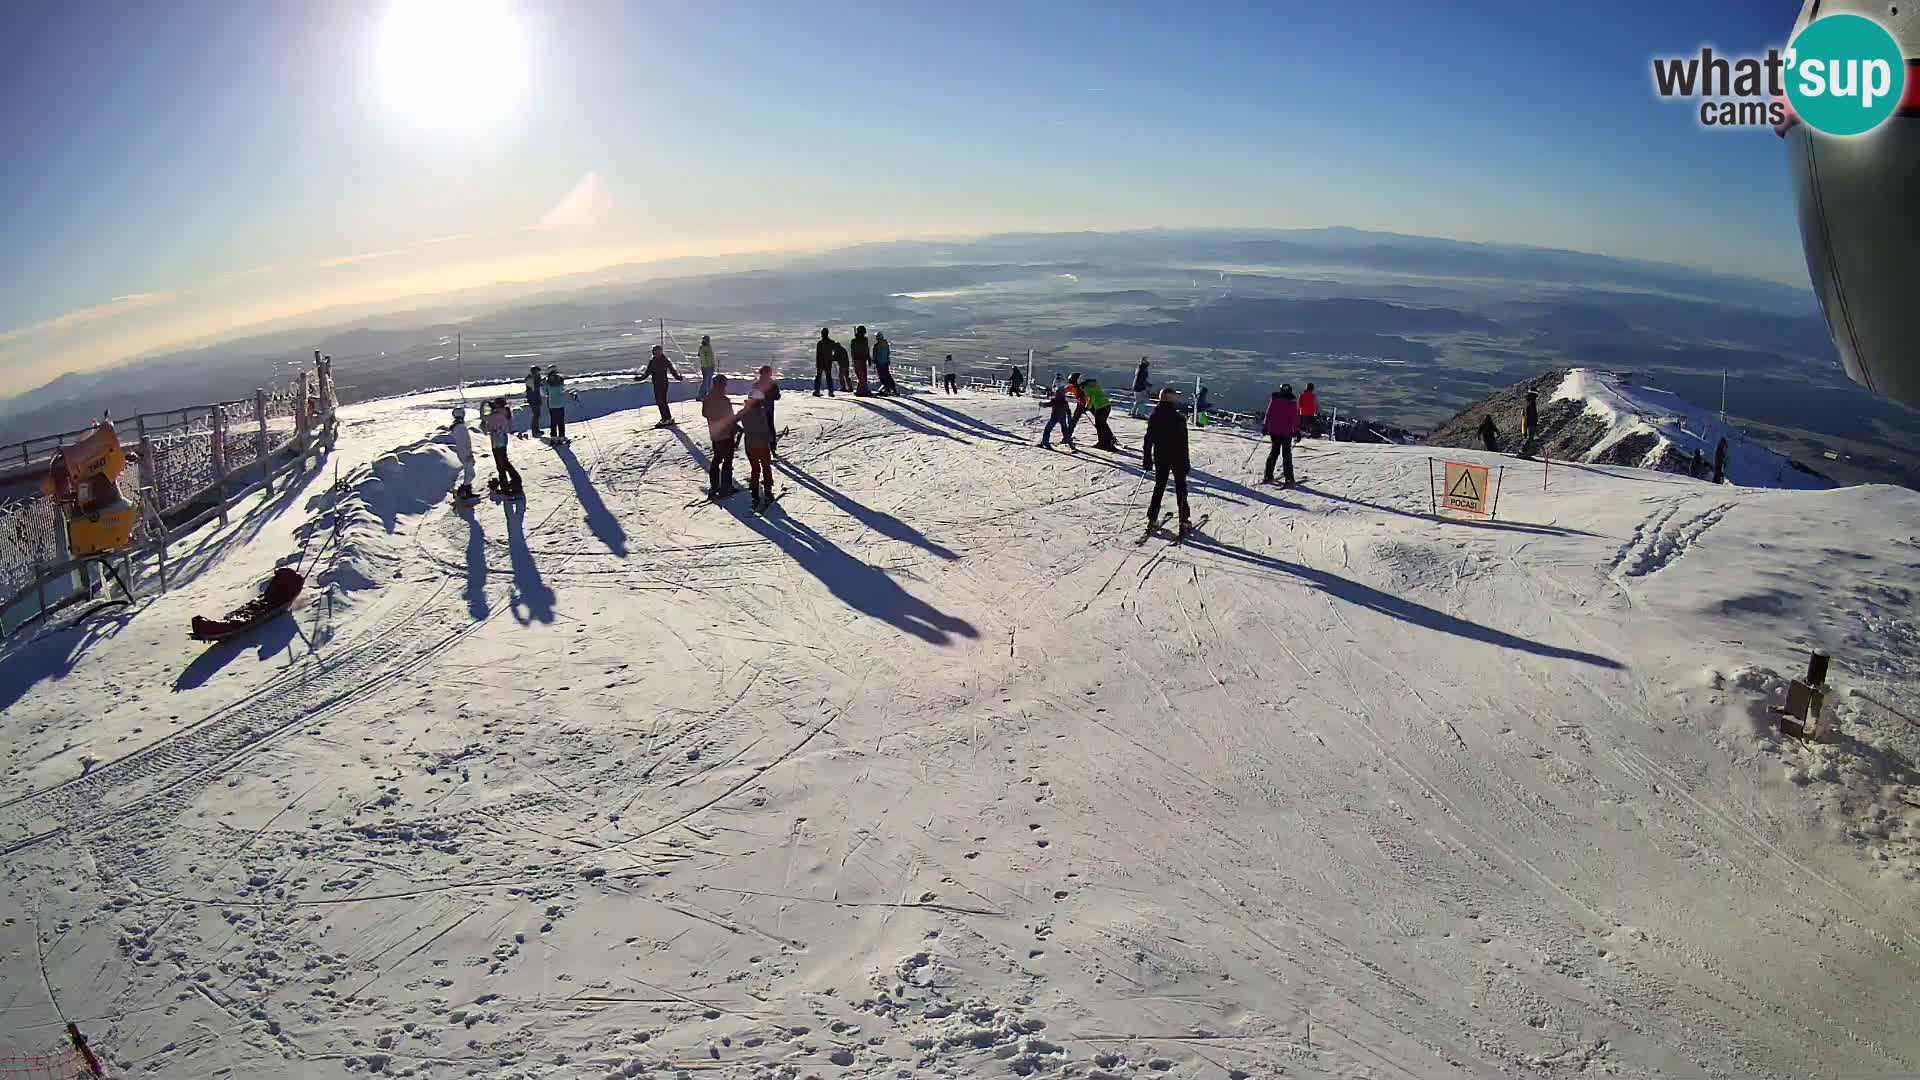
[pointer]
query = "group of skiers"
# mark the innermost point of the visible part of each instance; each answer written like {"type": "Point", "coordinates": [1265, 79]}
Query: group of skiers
{"type": "Point", "coordinates": [752, 423]}
{"type": "Point", "coordinates": [1287, 422]}
{"type": "Point", "coordinates": [549, 392]}
{"type": "Point", "coordinates": [876, 354]}
{"type": "Point", "coordinates": [1081, 396]}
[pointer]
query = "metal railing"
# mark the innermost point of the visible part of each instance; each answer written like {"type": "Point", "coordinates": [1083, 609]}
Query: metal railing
{"type": "Point", "coordinates": [184, 467]}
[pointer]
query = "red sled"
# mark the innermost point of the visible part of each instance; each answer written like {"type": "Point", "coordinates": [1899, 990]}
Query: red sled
{"type": "Point", "coordinates": [275, 597]}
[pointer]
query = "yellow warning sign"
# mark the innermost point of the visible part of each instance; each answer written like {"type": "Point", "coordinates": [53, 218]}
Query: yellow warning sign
{"type": "Point", "coordinates": [1466, 488]}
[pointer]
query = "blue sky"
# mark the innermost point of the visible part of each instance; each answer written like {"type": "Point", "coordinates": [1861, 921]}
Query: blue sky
{"type": "Point", "coordinates": [179, 170]}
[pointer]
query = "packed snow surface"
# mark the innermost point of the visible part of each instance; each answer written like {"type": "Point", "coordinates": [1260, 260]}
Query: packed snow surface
{"type": "Point", "coordinates": [936, 769]}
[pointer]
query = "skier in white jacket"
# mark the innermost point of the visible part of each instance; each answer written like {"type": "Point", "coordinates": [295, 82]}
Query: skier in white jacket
{"type": "Point", "coordinates": [462, 440]}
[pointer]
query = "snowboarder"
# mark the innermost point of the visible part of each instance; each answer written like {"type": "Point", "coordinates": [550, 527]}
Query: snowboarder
{"type": "Point", "coordinates": [1201, 407]}
{"type": "Point", "coordinates": [1057, 404]}
{"type": "Point", "coordinates": [1165, 455]}
{"type": "Point", "coordinates": [862, 357]}
{"type": "Point", "coordinates": [499, 424]}
{"type": "Point", "coordinates": [721, 426]}
{"type": "Point", "coordinates": [1079, 395]}
{"type": "Point", "coordinates": [1698, 465]}
{"type": "Point", "coordinates": [462, 440]}
{"type": "Point", "coordinates": [659, 367]}
{"type": "Point", "coordinates": [883, 364]}
{"type": "Point", "coordinates": [952, 383]}
{"type": "Point", "coordinates": [1720, 462]}
{"type": "Point", "coordinates": [1099, 405]}
{"type": "Point", "coordinates": [535, 397]}
{"type": "Point", "coordinates": [840, 361]}
{"type": "Point", "coordinates": [557, 404]}
{"type": "Point", "coordinates": [1489, 434]}
{"type": "Point", "coordinates": [1017, 382]}
{"type": "Point", "coordinates": [1530, 426]}
{"type": "Point", "coordinates": [756, 428]}
{"type": "Point", "coordinates": [823, 362]}
{"type": "Point", "coordinates": [1309, 413]}
{"type": "Point", "coordinates": [1140, 384]}
{"type": "Point", "coordinates": [1283, 428]}
{"type": "Point", "coordinates": [706, 365]}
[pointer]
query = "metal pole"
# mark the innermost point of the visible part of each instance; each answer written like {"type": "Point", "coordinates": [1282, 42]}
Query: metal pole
{"type": "Point", "coordinates": [1433, 501]}
{"type": "Point", "coordinates": [1497, 481]}
{"type": "Point", "coordinates": [264, 448]}
{"type": "Point", "coordinates": [1029, 372]}
{"type": "Point", "coordinates": [1723, 395]}
{"type": "Point", "coordinates": [663, 330]}
{"type": "Point", "coordinates": [460, 364]}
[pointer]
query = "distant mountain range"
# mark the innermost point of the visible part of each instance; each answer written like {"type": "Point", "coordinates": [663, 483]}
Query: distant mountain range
{"type": "Point", "coordinates": [1402, 329]}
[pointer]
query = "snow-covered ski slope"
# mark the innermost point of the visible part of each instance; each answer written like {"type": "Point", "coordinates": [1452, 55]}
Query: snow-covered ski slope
{"type": "Point", "coordinates": [932, 771]}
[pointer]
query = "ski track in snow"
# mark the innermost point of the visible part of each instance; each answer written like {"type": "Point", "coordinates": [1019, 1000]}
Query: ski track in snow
{"type": "Point", "coordinates": [932, 772]}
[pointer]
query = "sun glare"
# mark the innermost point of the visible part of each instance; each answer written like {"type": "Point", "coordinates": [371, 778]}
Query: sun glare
{"type": "Point", "coordinates": [454, 65]}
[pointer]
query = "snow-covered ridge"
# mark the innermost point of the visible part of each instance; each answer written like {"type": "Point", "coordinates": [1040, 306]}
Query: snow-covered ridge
{"type": "Point", "coordinates": [1603, 418]}
{"type": "Point", "coordinates": [1660, 430]}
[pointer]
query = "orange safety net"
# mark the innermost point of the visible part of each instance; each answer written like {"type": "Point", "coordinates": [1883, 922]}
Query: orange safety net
{"type": "Point", "coordinates": [66, 1064]}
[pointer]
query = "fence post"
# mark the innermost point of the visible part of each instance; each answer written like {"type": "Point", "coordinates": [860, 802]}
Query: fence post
{"type": "Point", "coordinates": [1433, 501]}
{"type": "Point", "coordinates": [220, 458]}
{"type": "Point", "coordinates": [303, 431]}
{"type": "Point", "coordinates": [39, 575]}
{"type": "Point", "coordinates": [265, 448]}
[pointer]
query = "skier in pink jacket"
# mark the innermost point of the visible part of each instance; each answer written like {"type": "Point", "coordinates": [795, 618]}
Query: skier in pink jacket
{"type": "Point", "coordinates": [1283, 425]}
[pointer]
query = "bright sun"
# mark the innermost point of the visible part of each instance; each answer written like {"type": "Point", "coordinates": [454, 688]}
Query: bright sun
{"type": "Point", "coordinates": [456, 65]}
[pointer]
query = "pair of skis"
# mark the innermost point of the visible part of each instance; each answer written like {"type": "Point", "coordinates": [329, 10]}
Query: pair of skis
{"type": "Point", "coordinates": [1160, 525]}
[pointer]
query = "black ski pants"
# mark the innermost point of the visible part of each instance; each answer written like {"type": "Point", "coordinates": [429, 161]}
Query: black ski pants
{"type": "Point", "coordinates": [509, 475]}
{"type": "Point", "coordinates": [720, 469]}
{"type": "Point", "coordinates": [1160, 473]}
{"type": "Point", "coordinates": [1100, 425]}
{"type": "Point", "coordinates": [1283, 451]}
{"type": "Point", "coordinates": [557, 422]}
{"type": "Point", "coordinates": [533, 407]}
{"type": "Point", "coordinates": [660, 396]}
{"type": "Point", "coordinates": [823, 373]}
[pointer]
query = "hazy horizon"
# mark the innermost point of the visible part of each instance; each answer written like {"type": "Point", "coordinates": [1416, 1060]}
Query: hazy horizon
{"type": "Point", "coordinates": [188, 172]}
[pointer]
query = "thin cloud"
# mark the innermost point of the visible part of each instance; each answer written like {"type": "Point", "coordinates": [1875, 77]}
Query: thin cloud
{"type": "Point", "coordinates": [581, 209]}
{"type": "Point", "coordinates": [369, 256]}
{"type": "Point", "coordinates": [66, 321]}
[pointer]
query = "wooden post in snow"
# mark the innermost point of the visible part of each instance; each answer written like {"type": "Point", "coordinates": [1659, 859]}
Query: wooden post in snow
{"type": "Point", "coordinates": [220, 458]}
{"type": "Point", "coordinates": [265, 448]}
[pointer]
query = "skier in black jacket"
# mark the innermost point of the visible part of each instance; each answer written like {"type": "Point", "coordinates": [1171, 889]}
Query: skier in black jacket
{"type": "Point", "coordinates": [1489, 434]}
{"type": "Point", "coordinates": [1720, 462]}
{"type": "Point", "coordinates": [658, 368]}
{"type": "Point", "coordinates": [823, 362]}
{"type": "Point", "coordinates": [1165, 455]}
{"type": "Point", "coordinates": [1057, 404]}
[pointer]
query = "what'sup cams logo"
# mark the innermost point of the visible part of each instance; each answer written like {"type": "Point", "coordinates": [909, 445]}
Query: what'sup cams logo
{"type": "Point", "coordinates": [1843, 74]}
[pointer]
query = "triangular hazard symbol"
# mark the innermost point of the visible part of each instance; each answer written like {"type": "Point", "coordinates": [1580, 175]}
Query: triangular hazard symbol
{"type": "Point", "coordinates": [1464, 487]}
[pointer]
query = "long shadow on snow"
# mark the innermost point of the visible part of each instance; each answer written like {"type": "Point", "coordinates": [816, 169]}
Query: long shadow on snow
{"type": "Point", "coordinates": [273, 636]}
{"type": "Point", "coordinates": [905, 421]}
{"type": "Point", "coordinates": [959, 421]}
{"type": "Point", "coordinates": [1398, 607]}
{"type": "Point", "coordinates": [1492, 526]}
{"type": "Point", "coordinates": [878, 520]}
{"type": "Point", "coordinates": [530, 591]}
{"type": "Point", "coordinates": [52, 654]}
{"type": "Point", "coordinates": [859, 586]}
{"type": "Point", "coordinates": [475, 588]}
{"type": "Point", "coordinates": [694, 451]}
{"type": "Point", "coordinates": [599, 519]}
